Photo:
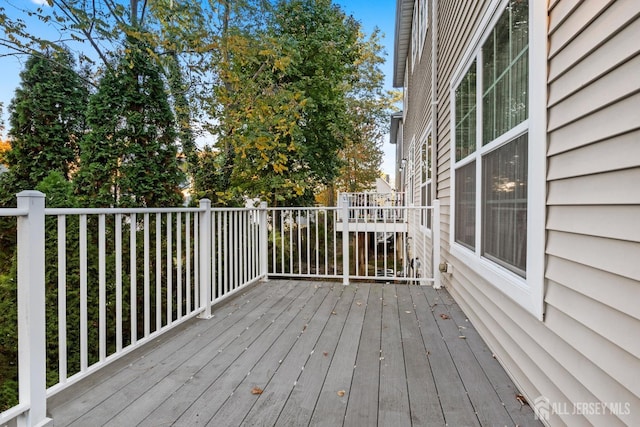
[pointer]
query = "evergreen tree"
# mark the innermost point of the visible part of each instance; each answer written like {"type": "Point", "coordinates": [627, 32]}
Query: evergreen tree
{"type": "Point", "coordinates": [46, 121]}
{"type": "Point", "coordinates": [129, 156]}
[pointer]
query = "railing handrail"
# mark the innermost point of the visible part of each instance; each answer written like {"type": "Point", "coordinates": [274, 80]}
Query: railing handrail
{"type": "Point", "coordinates": [13, 212]}
{"type": "Point", "coordinates": [125, 211]}
{"type": "Point", "coordinates": [114, 211]}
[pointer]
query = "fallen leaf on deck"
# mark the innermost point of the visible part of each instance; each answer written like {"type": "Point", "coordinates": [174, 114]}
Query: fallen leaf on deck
{"type": "Point", "coordinates": [341, 393]}
{"type": "Point", "coordinates": [256, 390]}
{"type": "Point", "coordinates": [325, 353]}
{"type": "Point", "coordinates": [444, 316]}
{"type": "Point", "coordinates": [523, 400]}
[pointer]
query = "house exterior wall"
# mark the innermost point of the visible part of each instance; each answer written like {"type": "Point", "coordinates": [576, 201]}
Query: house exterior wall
{"type": "Point", "coordinates": [415, 128]}
{"type": "Point", "coordinates": [584, 351]}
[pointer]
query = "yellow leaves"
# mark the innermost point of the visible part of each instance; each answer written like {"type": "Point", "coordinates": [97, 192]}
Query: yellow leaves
{"type": "Point", "coordinates": [279, 168]}
{"type": "Point", "coordinates": [282, 63]}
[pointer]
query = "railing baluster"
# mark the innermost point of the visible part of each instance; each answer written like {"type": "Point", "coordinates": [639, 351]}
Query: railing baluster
{"type": "Point", "coordinates": [188, 257]}
{"type": "Point", "coordinates": [179, 273]}
{"type": "Point", "coordinates": [169, 270]}
{"type": "Point", "coordinates": [307, 223]}
{"type": "Point", "coordinates": [196, 261]}
{"type": "Point", "coordinates": [102, 288]}
{"type": "Point", "coordinates": [220, 256]}
{"type": "Point", "coordinates": [62, 299]}
{"type": "Point", "coordinates": [158, 272]}
{"type": "Point", "coordinates": [118, 249]}
{"type": "Point", "coordinates": [133, 279]}
{"type": "Point", "coordinates": [83, 294]}
{"type": "Point", "coordinates": [146, 293]}
{"type": "Point", "coordinates": [215, 232]}
{"type": "Point", "coordinates": [299, 248]}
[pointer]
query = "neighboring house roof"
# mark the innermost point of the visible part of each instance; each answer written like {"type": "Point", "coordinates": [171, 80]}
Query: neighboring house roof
{"type": "Point", "coordinates": [382, 186]}
{"type": "Point", "coordinates": [404, 14]}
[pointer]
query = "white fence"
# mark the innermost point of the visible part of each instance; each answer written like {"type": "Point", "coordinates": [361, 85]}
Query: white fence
{"type": "Point", "coordinates": [310, 243]}
{"type": "Point", "coordinates": [132, 274]}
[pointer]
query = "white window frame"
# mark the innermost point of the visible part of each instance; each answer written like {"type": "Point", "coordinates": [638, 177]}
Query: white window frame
{"type": "Point", "coordinates": [415, 35]}
{"type": "Point", "coordinates": [405, 92]}
{"type": "Point", "coordinates": [423, 19]}
{"type": "Point", "coordinates": [527, 292]}
{"type": "Point", "coordinates": [411, 174]}
{"type": "Point", "coordinates": [425, 184]}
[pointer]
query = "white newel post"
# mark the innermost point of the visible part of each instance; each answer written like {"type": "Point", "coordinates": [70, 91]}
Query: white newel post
{"type": "Point", "coordinates": [264, 243]}
{"type": "Point", "coordinates": [344, 201]}
{"type": "Point", "coordinates": [31, 310]}
{"type": "Point", "coordinates": [205, 258]}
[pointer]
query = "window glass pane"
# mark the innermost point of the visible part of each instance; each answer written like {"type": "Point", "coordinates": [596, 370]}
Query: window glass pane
{"type": "Point", "coordinates": [505, 72]}
{"type": "Point", "coordinates": [504, 205]}
{"type": "Point", "coordinates": [465, 226]}
{"type": "Point", "coordinates": [466, 114]}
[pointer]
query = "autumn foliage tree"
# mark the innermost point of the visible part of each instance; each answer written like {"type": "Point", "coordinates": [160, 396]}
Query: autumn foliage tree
{"type": "Point", "coordinates": [283, 97]}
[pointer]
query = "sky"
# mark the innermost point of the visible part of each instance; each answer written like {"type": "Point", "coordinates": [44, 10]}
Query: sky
{"type": "Point", "coordinates": [370, 13]}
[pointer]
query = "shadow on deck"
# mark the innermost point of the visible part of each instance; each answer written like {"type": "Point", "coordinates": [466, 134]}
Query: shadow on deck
{"type": "Point", "coordinates": [293, 353]}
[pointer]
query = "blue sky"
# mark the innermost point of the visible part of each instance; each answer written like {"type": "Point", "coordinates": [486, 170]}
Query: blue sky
{"type": "Point", "coordinates": [370, 13]}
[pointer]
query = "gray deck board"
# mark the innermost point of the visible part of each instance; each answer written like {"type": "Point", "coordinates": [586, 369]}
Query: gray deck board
{"type": "Point", "coordinates": [454, 400]}
{"type": "Point", "coordinates": [203, 354]}
{"type": "Point", "coordinates": [362, 406]}
{"type": "Point", "coordinates": [393, 408]}
{"type": "Point", "coordinates": [330, 407]}
{"type": "Point", "coordinates": [282, 366]}
{"type": "Point", "coordinates": [487, 405]}
{"type": "Point", "coordinates": [269, 404]}
{"type": "Point", "coordinates": [93, 402]}
{"type": "Point", "coordinates": [424, 404]}
{"type": "Point", "coordinates": [397, 360]}
{"type": "Point", "coordinates": [298, 407]}
{"type": "Point", "coordinates": [194, 402]}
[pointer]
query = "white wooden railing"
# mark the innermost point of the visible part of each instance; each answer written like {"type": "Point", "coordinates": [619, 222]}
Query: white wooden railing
{"type": "Point", "coordinates": [374, 206]}
{"type": "Point", "coordinates": [133, 274]}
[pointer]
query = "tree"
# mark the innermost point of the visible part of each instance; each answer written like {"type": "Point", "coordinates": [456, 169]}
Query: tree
{"type": "Point", "coordinates": [369, 107]}
{"type": "Point", "coordinates": [129, 156]}
{"type": "Point", "coordinates": [282, 107]}
{"type": "Point", "coordinates": [46, 119]}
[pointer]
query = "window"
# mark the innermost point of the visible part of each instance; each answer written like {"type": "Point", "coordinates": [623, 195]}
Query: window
{"type": "Point", "coordinates": [415, 34]}
{"type": "Point", "coordinates": [423, 22]}
{"type": "Point", "coordinates": [491, 144]}
{"type": "Point", "coordinates": [411, 172]}
{"type": "Point", "coordinates": [425, 179]}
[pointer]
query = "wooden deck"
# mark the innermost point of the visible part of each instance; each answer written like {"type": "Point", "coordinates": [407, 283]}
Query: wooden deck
{"type": "Point", "coordinates": [320, 353]}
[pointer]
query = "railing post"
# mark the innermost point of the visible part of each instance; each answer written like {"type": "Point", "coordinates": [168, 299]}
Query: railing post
{"type": "Point", "coordinates": [344, 200]}
{"type": "Point", "coordinates": [205, 257]}
{"type": "Point", "coordinates": [31, 310]}
{"type": "Point", "coordinates": [435, 226]}
{"type": "Point", "coordinates": [264, 243]}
